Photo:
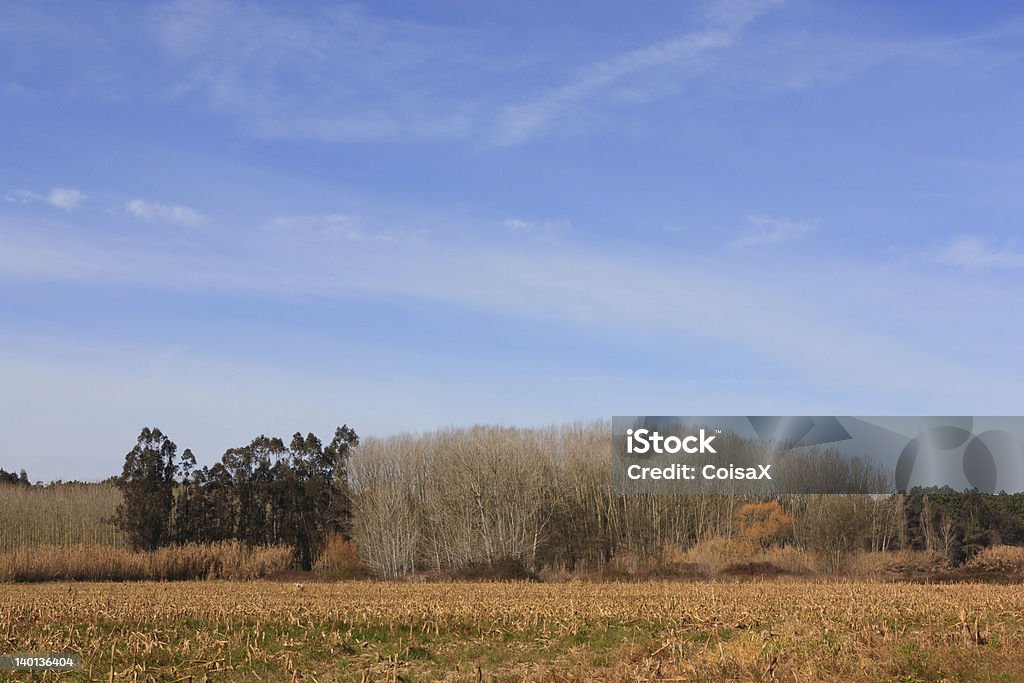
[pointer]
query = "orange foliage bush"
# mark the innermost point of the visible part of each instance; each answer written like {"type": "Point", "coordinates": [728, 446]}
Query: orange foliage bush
{"type": "Point", "coordinates": [764, 523]}
{"type": "Point", "coordinates": [339, 560]}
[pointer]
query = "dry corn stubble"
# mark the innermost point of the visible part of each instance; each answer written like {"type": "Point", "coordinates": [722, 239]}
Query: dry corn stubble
{"type": "Point", "coordinates": [520, 631]}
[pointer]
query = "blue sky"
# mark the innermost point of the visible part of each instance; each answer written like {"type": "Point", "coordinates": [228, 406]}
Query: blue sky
{"type": "Point", "coordinates": [226, 219]}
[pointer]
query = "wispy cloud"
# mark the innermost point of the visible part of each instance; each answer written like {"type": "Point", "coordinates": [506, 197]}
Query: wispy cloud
{"type": "Point", "coordinates": [170, 213]}
{"type": "Point", "coordinates": [364, 77]}
{"type": "Point", "coordinates": [546, 227]}
{"type": "Point", "coordinates": [764, 312]}
{"type": "Point", "coordinates": [347, 74]}
{"type": "Point", "coordinates": [335, 74]}
{"type": "Point", "coordinates": [65, 198]}
{"type": "Point", "coordinates": [974, 253]}
{"type": "Point", "coordinates": [764, 230]}
{"type": "Point", "coordinates": [518, 122]}
{"type": "Point", "coordinates": [725, 21]}
{"type": "Point", "coordinates": [327, 227]}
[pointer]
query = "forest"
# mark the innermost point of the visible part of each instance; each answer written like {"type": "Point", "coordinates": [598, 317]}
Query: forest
{"type": "Point", "coordinates": [481, 500]}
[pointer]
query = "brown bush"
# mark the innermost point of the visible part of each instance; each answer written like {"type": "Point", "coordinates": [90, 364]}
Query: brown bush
{"type": "Point", "coordinates": [501, 570]}
{"type": "Point", "coordinates": [339, 561]}
{"type": "Point", "coordinates": [900, 563]}
{"type": "Point", "coordinates": [999, 559]}
{"type": "Point", "coordinates": [741, 556]}
{"type": "Point", "coordinates": [715, 554]}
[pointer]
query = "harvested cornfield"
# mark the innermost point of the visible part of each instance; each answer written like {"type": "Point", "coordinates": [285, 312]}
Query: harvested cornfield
{"type": "Point", "coordinates": [356, 631]}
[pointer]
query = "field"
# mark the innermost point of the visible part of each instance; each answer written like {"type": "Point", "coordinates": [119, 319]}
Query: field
{"type": "Point", "coordinates": [356, 631]}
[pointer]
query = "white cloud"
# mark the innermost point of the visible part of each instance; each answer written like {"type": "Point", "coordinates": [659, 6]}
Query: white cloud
{"type": "Point", "coordinates": [767, 230]}
{"type": "Point", "coordinates": [172, 213]}
{"type": "Point", "coordinates": [974, 253]}
{"type": "Point", "coordinates": [825, 321]}
{"type": "Point", "coordinates": [537, 226]}
{"type": "Point", "coordinates": [519, 122]}
{"type": "Point", "coordinates": [22, 197]}
{"type": "Point", "coordinates": [65, 198]}
{"type": "Point", "coordinates": [328, 227]}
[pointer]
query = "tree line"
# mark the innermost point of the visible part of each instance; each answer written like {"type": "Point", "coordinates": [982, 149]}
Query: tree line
{"type": "Point", "coordinates": [958, 524]}
{"type": "Point", "coordinates": [538, 498]}
{"type": "Point", "coordinates": [543, 498]}
{"type": "Point", "coordinates": [20, 479]}
{"type": "Point", "coordinates": [264, 493]}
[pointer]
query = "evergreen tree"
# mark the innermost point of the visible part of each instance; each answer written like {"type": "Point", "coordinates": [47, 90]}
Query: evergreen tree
{"type": "Point", "coordinates": [147, 486]}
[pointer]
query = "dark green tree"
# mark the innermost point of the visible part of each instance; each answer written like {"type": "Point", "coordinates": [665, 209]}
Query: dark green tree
{"type": "Point", "coordinates": [336, 462]}
{"type": "Point", "coordinates": [147, 484]}
{"type": "Point", "coordinates": [218, 504]}
{"type": "Point", "coordinates": [311, 493]}
{"type": "Point", "coordinates": [251, 471]}
{"type": "Point", "coordinates": [304, 494]}
{"type": "Point", "coordinates": [187, 502]}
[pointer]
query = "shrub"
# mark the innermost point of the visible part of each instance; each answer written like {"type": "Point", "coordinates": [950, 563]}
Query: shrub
{"type": "Point", "coordinates": [508, 569]}
{"type": "Point", "coordinates": [764, 523]}
{"type": "Point", "coordinates": [741, 556]}
{"type": "Point", "coordinates": [903, 563]}
{"type": "Point", "coordinates": [715, 554]}
{"type": "Point", "coordinates": [1001, 559]}
{"type": "Point", "coordinates": [339, 561]}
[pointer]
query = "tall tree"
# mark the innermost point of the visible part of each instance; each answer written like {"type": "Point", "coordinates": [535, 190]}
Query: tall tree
{"type": "Point", "coordinates": [336, 470]}
{"type": "Point", "coordinates": [251, 471]}
{"type": "Point", "coordinates": [315, 491]}
{"type": "Point", "coordinates": [188, 525]}
{"type": "Point", "coordinates": [147, 487]}
{"type": "Point", "coordinates": [305, 496]}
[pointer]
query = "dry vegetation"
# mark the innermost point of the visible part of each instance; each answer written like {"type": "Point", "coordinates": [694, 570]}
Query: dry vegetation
{"type": "Point", "coordinates": [1000, 559]}
{"type": "Point", "coordinates": [60, 514]}
{"type": "Point", "coordinates": [494, 503]}
{"type": "Point", "coordinates": [505, 502]}
{"type": "Point", "coordinates": [356, 631]}
{"type": "Point", "coordinates": [226, 560]}
{"type": "Point", "coordinates": [454, 500]}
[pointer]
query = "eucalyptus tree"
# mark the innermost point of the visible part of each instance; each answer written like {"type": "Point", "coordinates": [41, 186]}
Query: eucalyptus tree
{"type": "Point", "coordinates": [147, 484]}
